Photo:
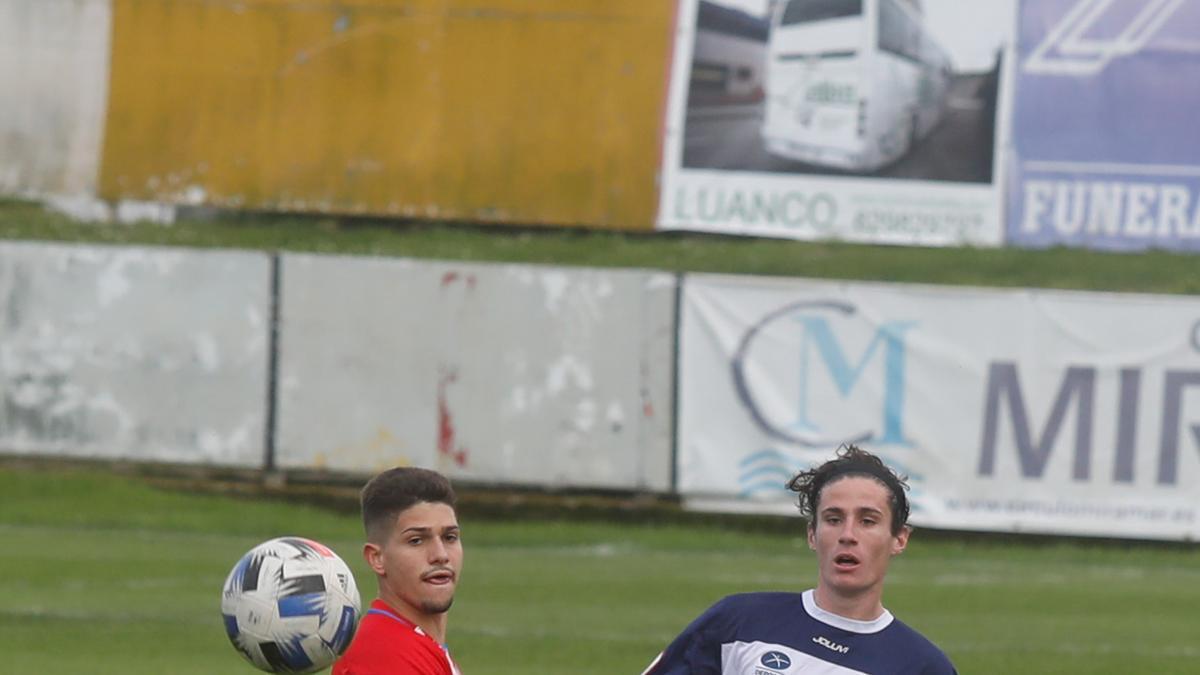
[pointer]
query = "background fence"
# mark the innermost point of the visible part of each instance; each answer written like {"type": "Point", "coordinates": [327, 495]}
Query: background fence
{"type": "Point", "coordinates": [1013, 410]}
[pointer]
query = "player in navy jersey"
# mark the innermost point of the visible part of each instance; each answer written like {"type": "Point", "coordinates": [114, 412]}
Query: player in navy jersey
{"type": "Point", "coordinates": [857, 516]}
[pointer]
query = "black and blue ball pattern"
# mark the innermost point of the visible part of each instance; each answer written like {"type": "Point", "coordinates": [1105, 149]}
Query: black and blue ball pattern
{"type": "Point", "coordinates": [290, 605]}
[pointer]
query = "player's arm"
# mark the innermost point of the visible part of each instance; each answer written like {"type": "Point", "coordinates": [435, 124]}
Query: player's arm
{"type": "Point", "coordinates": [697, 650]}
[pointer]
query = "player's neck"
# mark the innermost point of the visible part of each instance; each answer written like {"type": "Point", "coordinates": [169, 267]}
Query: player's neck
{"type": "Point", "coordinates": [866, 606]}
{"type": "Point", "coordinates": [433, 625]}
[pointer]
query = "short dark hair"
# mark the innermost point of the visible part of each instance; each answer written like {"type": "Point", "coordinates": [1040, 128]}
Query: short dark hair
{"type": "Point", "coordinates": [851, 460]}
{"type": "Point", "coordinates": [391, 492]}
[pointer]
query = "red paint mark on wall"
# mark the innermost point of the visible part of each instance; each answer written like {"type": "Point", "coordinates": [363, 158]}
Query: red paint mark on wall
{"type": "Point", "coordinates": [446, 441]}
{"type": "Point", "coordinates": [450, 277]}
{"type": "Point", "coordinates": [647, 403]}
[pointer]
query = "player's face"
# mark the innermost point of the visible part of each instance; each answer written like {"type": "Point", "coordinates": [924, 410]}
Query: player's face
{"type": "Point", "coordinates": [852, 535]}
{"type": "Point", "coordinates": [418, 565]}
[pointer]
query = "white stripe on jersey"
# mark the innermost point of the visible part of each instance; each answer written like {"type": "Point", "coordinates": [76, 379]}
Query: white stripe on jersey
{"type": "Point", "coordinates": [757, 658]}
{"type": "Point", "coordinates": [653, 663]}
{"type": "Point", "coordinates": [853, 625]}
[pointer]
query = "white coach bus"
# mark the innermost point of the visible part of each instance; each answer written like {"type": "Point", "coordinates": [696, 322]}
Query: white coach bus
{"type": "Point", "coordinates": [852, 84]}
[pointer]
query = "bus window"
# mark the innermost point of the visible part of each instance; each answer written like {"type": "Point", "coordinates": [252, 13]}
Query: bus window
{"type": "Point", "coordinates": [804, 11]}
{"type": "Point", "coordinates": [898, 33]}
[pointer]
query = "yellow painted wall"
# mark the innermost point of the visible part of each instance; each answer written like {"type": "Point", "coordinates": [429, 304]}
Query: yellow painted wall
{"type": "Point", "coordinates": [520, 111]}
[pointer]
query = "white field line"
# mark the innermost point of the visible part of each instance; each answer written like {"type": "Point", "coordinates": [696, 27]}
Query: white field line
{"type": "Point", "coordinates": [65, 614]}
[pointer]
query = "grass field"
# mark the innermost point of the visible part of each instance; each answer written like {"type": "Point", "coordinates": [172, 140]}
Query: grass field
{"type": "Point", "coordinates": [104, 574]}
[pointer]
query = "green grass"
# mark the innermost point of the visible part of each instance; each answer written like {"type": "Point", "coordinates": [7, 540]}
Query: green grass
{"type": "Point", "coordinates": [1152, 272]}
{"type": "Point", "coordinates": [105, 574]}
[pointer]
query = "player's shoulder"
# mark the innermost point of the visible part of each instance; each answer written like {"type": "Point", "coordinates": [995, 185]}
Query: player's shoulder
{"type": "Point", "coordinates": [377, 639]}
{"type": "Point", "coordinates": [761, 599]}
{"type": "Point", "coordinates": [741, 609]}
{"type": "Point", "coordinates": [921, 648]}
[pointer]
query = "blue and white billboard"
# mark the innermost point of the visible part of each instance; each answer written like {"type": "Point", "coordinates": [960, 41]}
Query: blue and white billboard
{"type": "Point", "coordinates": [1009, 410]}
{"type": "Point", "coordinates": [1106, 141]}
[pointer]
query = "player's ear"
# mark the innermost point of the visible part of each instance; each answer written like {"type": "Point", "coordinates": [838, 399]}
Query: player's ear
{"type": "Point", "coordinates": [900, 541]}
{"type": "Point", "coordinates": [812, 537]}
{"type": "Point", "coordinates": [373, 554]}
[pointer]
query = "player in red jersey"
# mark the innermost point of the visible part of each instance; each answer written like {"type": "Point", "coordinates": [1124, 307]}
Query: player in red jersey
{"type": "Point", "coordinates": [414, 548]}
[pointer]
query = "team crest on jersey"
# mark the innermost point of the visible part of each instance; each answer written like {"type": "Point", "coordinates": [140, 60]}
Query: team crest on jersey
{"type": "Point", "coordinates": [776, 661]}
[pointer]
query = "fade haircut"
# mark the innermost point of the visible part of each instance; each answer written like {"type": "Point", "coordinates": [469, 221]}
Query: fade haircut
{"type": "Point", "coordinates": [851, 460]}
{"type": "Point", "coordinates": [392, 492]}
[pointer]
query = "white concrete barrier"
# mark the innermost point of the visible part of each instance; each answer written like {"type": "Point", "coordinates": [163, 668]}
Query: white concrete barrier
{"type": "Point", "coordinates": [495, 373]}
{"type": "Point", "coordinates": [134, 353]}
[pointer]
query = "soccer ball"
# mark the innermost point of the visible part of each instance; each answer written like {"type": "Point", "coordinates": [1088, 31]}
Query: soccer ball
{"type": "Point", "coordinates": [290, 606]}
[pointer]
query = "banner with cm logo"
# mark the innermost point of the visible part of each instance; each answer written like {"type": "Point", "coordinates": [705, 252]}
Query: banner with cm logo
{"type": "Point", "coordinates": [1015, 410]}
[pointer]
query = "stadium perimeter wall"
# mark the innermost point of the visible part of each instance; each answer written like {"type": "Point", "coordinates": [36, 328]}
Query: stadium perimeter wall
{"type": "Point", "coordinates": [509, 111]}
{"type": "Point", "coordinates": [512, 375]}
{"type": "Point", "coordinates": [142, 354]}
{"type": "Point", "coordinates": [1010, 410]}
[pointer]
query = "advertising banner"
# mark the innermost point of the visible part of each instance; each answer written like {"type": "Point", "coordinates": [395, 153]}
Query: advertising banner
{"type": "Point", "coordinates": [1106, 153]}
{"type": "Point", "coordinates": [860, 120]}
{"type": "Point", "coordinates": [1033, 411]}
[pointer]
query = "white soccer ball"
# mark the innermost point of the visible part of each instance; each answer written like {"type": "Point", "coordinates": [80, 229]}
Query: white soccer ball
{"type": "Point", "coordinates": [290, 606]}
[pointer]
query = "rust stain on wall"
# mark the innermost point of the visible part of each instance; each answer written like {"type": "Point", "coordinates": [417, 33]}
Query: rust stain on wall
{"type": "Point", "coordinates": [447, 443]}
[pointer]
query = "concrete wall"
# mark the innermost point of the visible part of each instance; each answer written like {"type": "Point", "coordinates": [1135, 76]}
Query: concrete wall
{"type": "Point", "coordinates": [501, 374]}
{"type": "Point", "coordinates": [494, 373]}
{"type": "Point", "coordinates": [133, 353]}
{"type": "Point", "coordinates": [54, 79]}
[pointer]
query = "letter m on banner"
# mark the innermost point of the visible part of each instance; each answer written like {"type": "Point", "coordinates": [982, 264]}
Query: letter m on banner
{"type": "Point", "coordinates": [819, 339]}
{"type": "Point", "coordinates": [819, 352]}
{"type": "Point", "coordinates": [1003, 386]}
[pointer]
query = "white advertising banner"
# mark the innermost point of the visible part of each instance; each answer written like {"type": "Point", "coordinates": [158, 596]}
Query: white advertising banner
{"type": "Point", "coordinates": [1009, 410]}
{"type": "Point", "coordinates": [861, 120]}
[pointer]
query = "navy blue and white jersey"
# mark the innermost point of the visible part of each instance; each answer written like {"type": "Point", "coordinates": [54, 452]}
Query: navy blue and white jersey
{"type": "Point", "coordinates": [786, 633]}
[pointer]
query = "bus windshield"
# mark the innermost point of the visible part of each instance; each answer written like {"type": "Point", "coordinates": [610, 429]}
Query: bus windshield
{"type": "Point", "coordinates": [805, 11]}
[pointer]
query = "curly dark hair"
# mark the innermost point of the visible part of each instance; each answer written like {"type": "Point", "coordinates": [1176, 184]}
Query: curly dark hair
{"type": "Point", "coordinates": [851, 460]}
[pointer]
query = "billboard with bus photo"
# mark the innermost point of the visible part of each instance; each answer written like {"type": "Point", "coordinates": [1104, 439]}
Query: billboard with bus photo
{"type": "Point", "coordinates": [862, 120]}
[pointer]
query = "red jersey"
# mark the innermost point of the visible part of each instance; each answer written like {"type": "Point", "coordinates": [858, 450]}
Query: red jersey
{"type": "Point", "coordinates": [388, 644]}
